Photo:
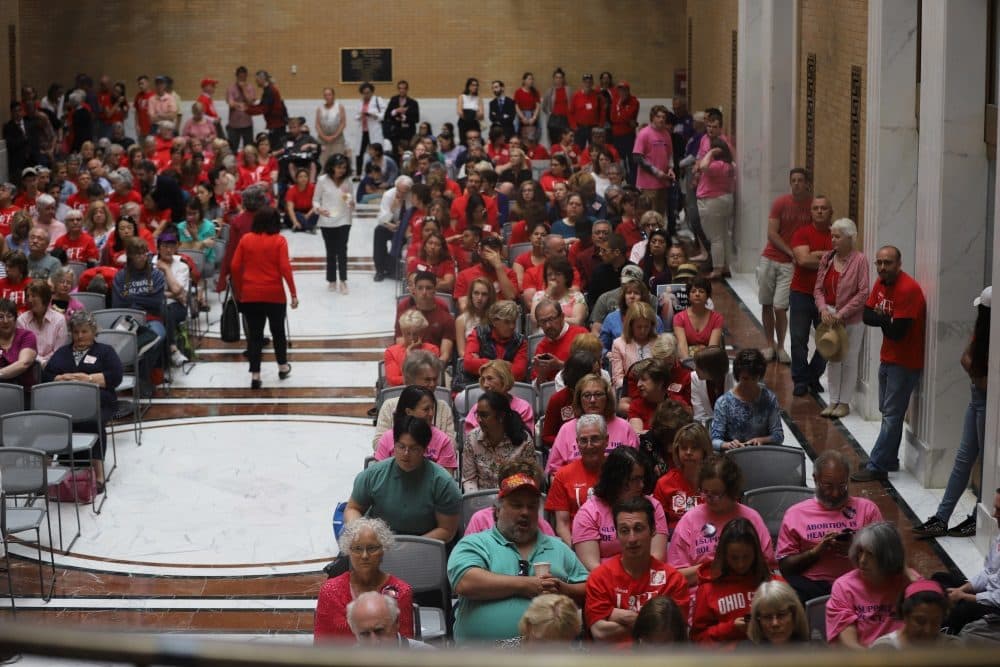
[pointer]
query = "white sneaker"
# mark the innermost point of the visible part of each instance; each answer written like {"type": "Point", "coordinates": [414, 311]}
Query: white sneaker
{"type": "Point", "coordinates": [178, 359]}
{"type": "Point", "coordinates": [783, 356]}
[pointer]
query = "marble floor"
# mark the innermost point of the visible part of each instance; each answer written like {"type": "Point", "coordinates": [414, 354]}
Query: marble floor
{"type": "Point", "coordinates": [219, 524]}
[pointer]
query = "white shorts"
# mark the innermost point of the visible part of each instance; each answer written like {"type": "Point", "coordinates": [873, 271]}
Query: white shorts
{"type": "Point", "coordinates": [774, 282]}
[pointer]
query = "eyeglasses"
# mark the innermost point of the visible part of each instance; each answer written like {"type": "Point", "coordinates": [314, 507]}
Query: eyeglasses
{"type": "Point", "coordinates": [775, 617]}
{"type": "Point", "coordinates": [587, 441]}
{"type": "Point", "coordinates": [404, 449]}
{"type": "Point", "coordinates": [549, 320]}
{"type": "Point", "coordinates": [593, 396]}
{"type": "Point", "coordinates": [523, 568]}
{"type": "Point", "coordinates": [366, 549]}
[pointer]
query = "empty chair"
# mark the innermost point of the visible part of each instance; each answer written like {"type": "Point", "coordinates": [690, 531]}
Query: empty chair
{"type": "Point", "coordinates": [816, 613]}
{"type": "Point", "coordinates": [50, 433]}
{"type": "Point", "coordinates": [125, 344]}
{"type": "Point", "coordinates": [771, 502]}
{"type": "Point", "coordinates": [770, 465]}
{"type": "Point", "coordinates": [422, 563]}
{"type": "Point", "coordinates": [82, 402]}
{"type": "Point", "coordinates": [92, 301]}
{"type": "Point", "coordinates": [11, 398]}
{"type": "Point", "coordinates": [28, 470]}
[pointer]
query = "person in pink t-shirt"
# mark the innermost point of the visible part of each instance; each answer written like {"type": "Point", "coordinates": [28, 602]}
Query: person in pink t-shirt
{"type": "Point", "coordinates": [627, 473]}
{"type": "Point", "coordinates": [654, 156]}
{"type": "Point", "coordinates": [420, 402]}
{"type": "Point", "coordinates": [816, 533]}
{"type": "Point", "coordinates": [861, 604]}
{"type": "Point", "coordinates": [697, 533]}
{"type": "Point", "coordinates": [486, 518]}
{"type": "Point", "coordinates": [715, 201]}
{"type": "Point", "coordinates": [593, 396]}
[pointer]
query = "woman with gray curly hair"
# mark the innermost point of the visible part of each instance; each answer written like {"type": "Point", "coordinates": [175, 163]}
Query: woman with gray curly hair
{"type": "Point", "coordinates": [365, 542]}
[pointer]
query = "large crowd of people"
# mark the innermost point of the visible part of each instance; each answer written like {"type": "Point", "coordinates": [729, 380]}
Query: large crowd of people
{"type": "Point", "coordinates": [558, 335]}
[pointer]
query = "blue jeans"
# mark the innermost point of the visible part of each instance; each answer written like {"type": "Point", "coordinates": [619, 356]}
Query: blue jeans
{"type": "Point", "coordinates": [307, 222]}
{"type": "Point", "coordinates": [803, 316]}
{"type": "Point", "coordinates": [973, 431]}
{"type": "Point", "coordinates": [895, 386]}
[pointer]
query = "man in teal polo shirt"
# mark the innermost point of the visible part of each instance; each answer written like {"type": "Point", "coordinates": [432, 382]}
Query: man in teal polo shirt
{"type": "Point", "coordinates": [495, 573]}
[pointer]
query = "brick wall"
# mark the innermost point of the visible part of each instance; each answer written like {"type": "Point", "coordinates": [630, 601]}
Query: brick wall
{"type": "Point", "coordinates": [437, 43]}
{"type": "Point", "coordinates": [710, 80]}
{"type": "Point", "coordinates": [838, 34]}
{"type": "Point", "coordinates": [8, 17]}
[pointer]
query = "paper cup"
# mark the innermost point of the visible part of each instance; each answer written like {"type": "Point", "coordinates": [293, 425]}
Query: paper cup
{"type": "Point", "coordinates": [542, 569]}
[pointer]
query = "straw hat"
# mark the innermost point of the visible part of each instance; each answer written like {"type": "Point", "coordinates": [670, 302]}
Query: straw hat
{"type": "Point", "coordinates": [831, 341]}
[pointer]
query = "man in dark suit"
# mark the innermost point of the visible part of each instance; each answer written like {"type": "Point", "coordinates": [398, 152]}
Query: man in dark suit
{"type": "Point", "coordinates": [502, 110]}
{"type": "Point", "coordinates": [402, 115]}
{"type": "Point", "coordinates": [15, 133]}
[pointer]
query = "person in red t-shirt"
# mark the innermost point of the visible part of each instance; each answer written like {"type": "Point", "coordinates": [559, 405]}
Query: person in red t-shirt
{"type": "Point", "coordinates": [12, 287]}
{"type": "Point", "coordinates": [527, 102]}
{"type": "Point", "coordinates": [205, 99]}
{"type": "Point", "coordinates": [490, 266]}
{"type": "Point", "coordinates": [897, 307]}
{"type": "Point", "coordinates": [656, 383]}
{"type": "Point", "coordinates": [586, 110]}
{"type": "Point", "coordinates": [677, 490]}
{"type": "Point", "coordinates": [78, 244]}
{"type": "Point", "coordinates": [618, 588]}
{"type": "Point", "coordinates": [623, 115]}
{"type": "Point", "coordinates": [299, 203]}
{"type": "Point", "coordinates": [553, 349]}
{"type": "Point", "coordinates": [788, 214]}
{"type": "Point", "coordinates": [573, 483]}
{"type": "Point", "coordinates": [727, 584]}
{"type": "Point", "coordinates": [7, 207]}
{"type": "Point", "coordinates": [143, 122]}
{"type": "Point", "coordinates": [809, 244]}
{"type": "Point", "coordinates": [440, 323]}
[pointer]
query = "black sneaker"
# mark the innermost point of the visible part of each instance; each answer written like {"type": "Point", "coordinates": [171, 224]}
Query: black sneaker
{"type": "Point", "coordinates": [965, 529]}
{"type": "Point", "coordinates": [933, 527]}
{"type": "Point", "coordinates": [816, 388]}
{"type": "Point", "coordinates": [800, 390]}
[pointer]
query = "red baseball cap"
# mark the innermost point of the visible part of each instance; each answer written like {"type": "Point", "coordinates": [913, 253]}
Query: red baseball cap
{"type": "Point", "coordinates": [624, 84]}
{"type": "Point", "coordinates": [208, 82]}
{"type": "Point", "coordinates": [517, 481]}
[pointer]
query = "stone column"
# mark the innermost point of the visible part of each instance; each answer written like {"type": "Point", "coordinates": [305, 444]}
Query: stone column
{"type": "Point", "coordinates": [949, 258]}
{"type": "Point", "coordinates": [765, 122]}
{"type": "Point", "coordinates": [891, 165]}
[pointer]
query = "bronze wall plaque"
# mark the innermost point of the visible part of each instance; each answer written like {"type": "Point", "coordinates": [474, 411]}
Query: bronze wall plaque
{"type": "Point", "coordinates": [359, 65]}
{"type": "Point", "coordinates": [855, 162]}
{"type": "Point", "coordinates": [811, 112]}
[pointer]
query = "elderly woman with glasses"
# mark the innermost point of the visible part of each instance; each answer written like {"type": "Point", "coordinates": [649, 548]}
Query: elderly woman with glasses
{"type": "Point", "coordinates": [365, 542]}
{"type": "Point", "coordinates": [592, 396]}
{"type": "Point", "coordinates": [863, 601]}
{"type": "Point", "coordinates": [48, 325]}
{"type": "Point", "coordinates": [777, 616]}
{"type": "Point", "coordinates": [412, 494]}
{"type": "Point", "coordinates": [86, 360]}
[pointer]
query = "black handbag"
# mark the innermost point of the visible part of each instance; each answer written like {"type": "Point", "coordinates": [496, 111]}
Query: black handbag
{"type": "Point", "coordinates": [229, 325]}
